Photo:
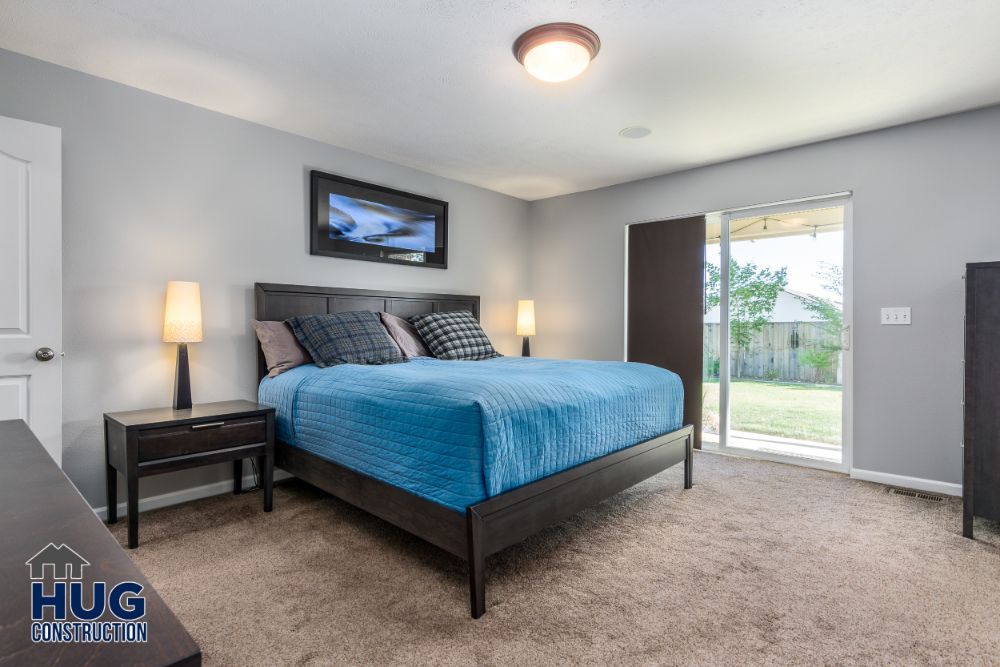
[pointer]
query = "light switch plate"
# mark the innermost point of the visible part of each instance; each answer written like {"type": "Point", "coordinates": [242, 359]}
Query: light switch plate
{"type": "Point", "coordinates": [896, 315]}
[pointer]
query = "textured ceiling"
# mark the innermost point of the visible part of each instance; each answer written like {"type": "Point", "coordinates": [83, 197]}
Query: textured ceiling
{"type": "Point", "coordinates": [433, 84]}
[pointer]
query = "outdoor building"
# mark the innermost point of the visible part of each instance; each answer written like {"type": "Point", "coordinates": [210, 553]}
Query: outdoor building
{"type": "Point", "coordinates": [779, 351]}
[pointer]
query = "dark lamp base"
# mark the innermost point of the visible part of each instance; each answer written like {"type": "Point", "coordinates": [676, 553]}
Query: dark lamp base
{"type": "Point", "coordinates": [182, 379]}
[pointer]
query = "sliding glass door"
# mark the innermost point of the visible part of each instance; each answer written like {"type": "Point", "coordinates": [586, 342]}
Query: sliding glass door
{"type": "Point", "coordinates": [777, 332]}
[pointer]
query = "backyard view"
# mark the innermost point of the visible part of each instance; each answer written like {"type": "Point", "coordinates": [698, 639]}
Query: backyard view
{"type": "Point", "coordinates": [789, 410]}
{"type": "Point", "coordinates": [785, 317]}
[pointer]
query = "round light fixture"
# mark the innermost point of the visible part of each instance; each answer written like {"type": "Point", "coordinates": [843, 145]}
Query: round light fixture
{"type": "Point", "coordinates": [556, 51]}
{"type": "Point", "coordinates": [635, 132]}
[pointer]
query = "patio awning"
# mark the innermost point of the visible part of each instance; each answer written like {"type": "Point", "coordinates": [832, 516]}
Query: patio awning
{"type": "Point", "coordinates": [812, 221]}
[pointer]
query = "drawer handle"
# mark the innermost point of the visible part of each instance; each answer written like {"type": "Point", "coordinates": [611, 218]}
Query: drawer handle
{"type": "Point", "coordinates": [198, 427]}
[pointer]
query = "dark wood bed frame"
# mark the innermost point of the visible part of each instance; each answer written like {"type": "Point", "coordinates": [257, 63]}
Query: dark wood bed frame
{"type": "Point", "coordinates": [488, 526]}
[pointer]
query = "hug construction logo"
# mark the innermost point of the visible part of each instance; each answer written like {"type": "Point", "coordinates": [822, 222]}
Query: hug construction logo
{"type": "Point", "coordinates": [65, 610]}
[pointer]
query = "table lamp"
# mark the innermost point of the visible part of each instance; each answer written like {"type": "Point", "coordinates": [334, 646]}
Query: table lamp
{"type": "Point", "coordinates": [525, 323]}
{"type": "Point", "coordinates": [182, 325]}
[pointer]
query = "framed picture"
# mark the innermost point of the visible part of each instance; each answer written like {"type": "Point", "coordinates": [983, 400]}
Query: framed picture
{"type": "Point", "coordinates": [363, 221]}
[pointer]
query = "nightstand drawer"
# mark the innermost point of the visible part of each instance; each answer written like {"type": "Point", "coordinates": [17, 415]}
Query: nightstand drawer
{"type": "Point", "coordinates": [161, 443]}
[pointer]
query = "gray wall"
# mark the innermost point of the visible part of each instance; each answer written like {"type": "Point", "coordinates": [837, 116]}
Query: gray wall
{"type": "Point", "coordinates": [924, 204]}
{"type": "Point", "coordinates": [156, 190]}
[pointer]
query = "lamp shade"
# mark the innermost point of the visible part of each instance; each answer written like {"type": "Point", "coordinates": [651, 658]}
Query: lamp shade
{"type": "Point", "coordinates": [526, 317]}
{"type": "Point", "coordinates": [182, 317]}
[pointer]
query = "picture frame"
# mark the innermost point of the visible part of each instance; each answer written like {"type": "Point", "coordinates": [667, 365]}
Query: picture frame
{"type": "Point", "coordinates": [352, 219]}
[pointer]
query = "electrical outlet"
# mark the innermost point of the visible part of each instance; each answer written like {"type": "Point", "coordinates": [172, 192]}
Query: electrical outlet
{"type": "Point", "coordinates": [898, 315]}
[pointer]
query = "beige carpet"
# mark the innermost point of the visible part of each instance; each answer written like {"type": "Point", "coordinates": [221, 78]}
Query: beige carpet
{"type": "Point", "coordinates": [759, 563]}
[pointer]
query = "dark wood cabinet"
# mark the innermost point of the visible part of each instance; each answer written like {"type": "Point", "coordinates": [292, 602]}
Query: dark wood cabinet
{"type": "Point", "coordinates": [42, 507]}
{"type": "Point", "coordinates": [981, 474]}
{"type": "Point", "coordinates": [149, 442]}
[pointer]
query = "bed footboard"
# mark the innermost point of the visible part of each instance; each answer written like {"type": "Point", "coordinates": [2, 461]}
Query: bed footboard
{"type": "Point", "coordinates": [500, 521]}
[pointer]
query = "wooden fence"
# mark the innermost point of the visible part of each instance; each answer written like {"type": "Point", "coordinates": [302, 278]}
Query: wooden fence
{"type": "Point", "coordinates": [776, 353]}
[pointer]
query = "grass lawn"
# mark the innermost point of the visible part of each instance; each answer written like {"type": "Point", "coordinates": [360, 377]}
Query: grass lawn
{"type": "Point", "coordinates": [801, 411]}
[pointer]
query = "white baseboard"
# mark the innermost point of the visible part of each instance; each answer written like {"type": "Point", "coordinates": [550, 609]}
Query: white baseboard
{"type": "Point", "coordinates": [902, 481]}
{"type": "Point", "coordinates": [185, 495]}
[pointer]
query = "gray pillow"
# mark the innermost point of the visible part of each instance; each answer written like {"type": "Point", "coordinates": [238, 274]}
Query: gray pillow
{"type": "Point", "coordinates": [355, 337]}
{"type": "Point", "coordinates": [405, 335]}
{"type": "Point", "coordinates": [281, 351]}
{"type": "Point", "coordinates": [454, 335]}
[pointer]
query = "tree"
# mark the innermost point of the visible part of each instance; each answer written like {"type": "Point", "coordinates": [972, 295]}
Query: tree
{"type": "Point", "coordinates": [753, 293]}
{"type": "Point", "coordinates": [830, 314]}
{"type": "Point", "coordinates": [819, 358]}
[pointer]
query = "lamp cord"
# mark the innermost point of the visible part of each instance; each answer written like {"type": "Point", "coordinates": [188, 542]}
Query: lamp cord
{"type": "Point", "coordinates": [256, 477]}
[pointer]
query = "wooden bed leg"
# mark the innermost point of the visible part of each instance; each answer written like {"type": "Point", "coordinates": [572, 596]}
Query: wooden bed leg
{"type": "Point", "coordinates": [688, 463]}
{"type": "Point", "coordinates": [477, 563]}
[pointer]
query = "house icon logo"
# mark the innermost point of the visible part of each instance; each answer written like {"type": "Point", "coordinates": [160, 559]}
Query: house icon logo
{"type": "Point", "coordinates": [66, 609]}
{"type": "Point", "coordinates": [63, 561]}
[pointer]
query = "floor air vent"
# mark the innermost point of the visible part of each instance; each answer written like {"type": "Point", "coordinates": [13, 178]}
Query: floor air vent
{"type": "Point", "coordinates": [915, 494]}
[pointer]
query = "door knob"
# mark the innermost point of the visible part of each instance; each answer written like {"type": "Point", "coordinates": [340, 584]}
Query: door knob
{"type": "Point", "coordinates": [45, 354]}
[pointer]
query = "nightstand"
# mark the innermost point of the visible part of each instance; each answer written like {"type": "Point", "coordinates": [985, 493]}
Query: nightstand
{"type": "Point", "coordinates": [140, 443]}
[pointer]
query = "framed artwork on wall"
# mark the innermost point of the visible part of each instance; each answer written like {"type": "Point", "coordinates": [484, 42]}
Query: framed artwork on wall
{"type": "Point", "coordinates": [357, 220]}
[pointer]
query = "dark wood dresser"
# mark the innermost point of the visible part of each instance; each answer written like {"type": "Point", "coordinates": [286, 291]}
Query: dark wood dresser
{"type": "Point", "coordinates": [40, 507]}
{"type": "Point", "coordinates": [981, 475]}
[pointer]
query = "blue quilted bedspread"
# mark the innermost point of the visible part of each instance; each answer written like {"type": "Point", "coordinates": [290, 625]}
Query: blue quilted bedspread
{"type": "Point", "coordinates": [457, 432]}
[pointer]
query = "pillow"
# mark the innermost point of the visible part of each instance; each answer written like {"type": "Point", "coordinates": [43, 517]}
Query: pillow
{"type": "Point", "coordinates": [454, 335]}
{"type": "Point", "coordinates": [405, 335]}
{"type": "Point", "coordinates": [355, 337]}
{"type": "Point", "coordinates": [281, 351]}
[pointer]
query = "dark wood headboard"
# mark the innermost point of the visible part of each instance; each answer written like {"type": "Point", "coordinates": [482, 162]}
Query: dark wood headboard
{"type": "Point", "coordinates": [274, 301]}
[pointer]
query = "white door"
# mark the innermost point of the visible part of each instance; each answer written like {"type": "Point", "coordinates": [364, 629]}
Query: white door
{"type": "Point", "coordinates": [31, 278]}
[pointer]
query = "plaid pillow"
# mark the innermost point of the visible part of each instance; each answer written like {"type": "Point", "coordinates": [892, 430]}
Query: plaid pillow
{"type": "Point", "coordinates": [454, 335]}
{"type": "Point", "coordinates": [355, 337]}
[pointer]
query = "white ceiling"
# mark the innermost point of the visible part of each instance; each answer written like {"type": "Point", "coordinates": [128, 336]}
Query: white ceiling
{"type": "Point", "coordinates": [432, 84]}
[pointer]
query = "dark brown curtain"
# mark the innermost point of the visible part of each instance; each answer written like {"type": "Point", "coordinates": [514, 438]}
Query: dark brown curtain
{"type": "Point", "coordinates": [666, 264]}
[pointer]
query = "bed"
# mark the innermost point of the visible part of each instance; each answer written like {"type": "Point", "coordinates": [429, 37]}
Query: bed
{"type": "Point", "coordinates": [472, 457]}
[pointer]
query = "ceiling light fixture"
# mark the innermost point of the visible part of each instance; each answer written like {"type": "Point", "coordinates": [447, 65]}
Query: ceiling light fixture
{"type": "Point", "coordinates": [556, 51]}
